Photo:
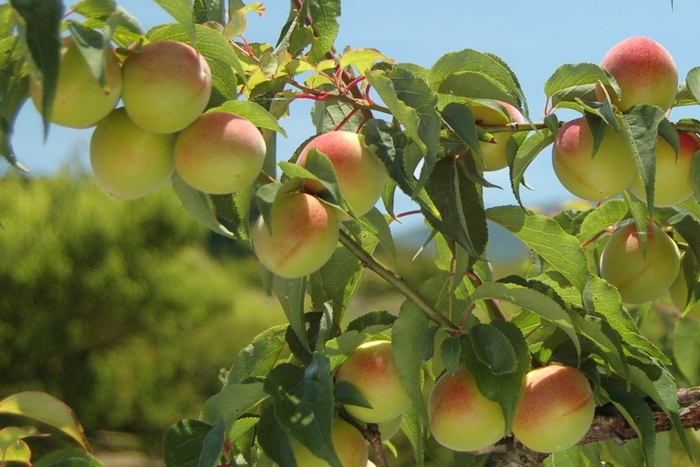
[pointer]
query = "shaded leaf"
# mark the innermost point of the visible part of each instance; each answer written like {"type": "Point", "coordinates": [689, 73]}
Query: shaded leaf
{"type": "Point", "coordinates": [231, 402]}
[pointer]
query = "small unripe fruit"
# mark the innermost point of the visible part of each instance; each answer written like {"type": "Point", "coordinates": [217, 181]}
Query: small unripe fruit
{"type": "Point", "coordinates": [645, 72]}
{"type": "Point", "coordinates": [361, 175]}
{"type": "Point", "coordinates": [349, 445]}
{"type": "Point", "coordinates": [494, 152]}
{"type": "Point", "coordinates": [555, 409]}
{"type": "Point", "coordinates": [128, 161]}
{"type": "Point", "coordinates": [166, 86]}
{"type": "Point", "coordinates": [672, 182]}
{"type": "Point", "coordinates": [372, 370]}
{"type": "Point", "coordinates": [80, 100]}
{"type": "Point", "coordinates": [593, 177]}
{"type": "Point", "coordinates": [220, 153]}
{"type": "Point", "coordinates": [304, 236]}
{"type": "Point", "coordinates": [461, 418]}
{"type": "Point", "coordinates": [637, 277]}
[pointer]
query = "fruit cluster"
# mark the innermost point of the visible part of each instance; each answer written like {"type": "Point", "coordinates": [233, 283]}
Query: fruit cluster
{"type": "Point", "coordinates": [598, 170]}
{"type": "Point", "coordinates": [165, 88]}
{"type": "Point", "coordinates": [552, 396]}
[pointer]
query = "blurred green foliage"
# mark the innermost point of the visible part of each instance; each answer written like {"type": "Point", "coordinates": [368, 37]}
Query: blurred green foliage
{"type": "Point", "coordinates": [119, 308]}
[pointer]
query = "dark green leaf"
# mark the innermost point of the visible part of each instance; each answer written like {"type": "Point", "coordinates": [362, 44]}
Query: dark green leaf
{"type": "Point", "coordinates": [183, 443]}
{"type": "Point", "coordinates": [574, 81]}
{"type": "Point", "coordinates": [531, 147]}
{"type": "Point", "coordinates": [462, 216]}
{"type": "Point", "coordinates": [69, 458]}
{"type": "Point", "coordinates": [39, 35]}
{"type": "Point", "coordinates": [637, 412]}
{"type": "Point", "coordinates": [290, 293]}
{"type": "Point", "coordinates": [324, 17]}
{"type": "Point", "coordinates": [213, 445]}
{"type": "Point", "coordinates": [450, 351]}
{"type": "Point", "coordinates": [493, 349]}
{"type": "Point", "coordinates": [181, 11]}
{"type": "Point", "coordinates": [383, 319]}
{"type": "Point", "coordinates": [460, 119]}
{"type": "Point", "coordinates": [304, 404]}
{"type": "Point", "coordinates": [274, 440]}
{"type": "Point", "coordinates": [345, 392]}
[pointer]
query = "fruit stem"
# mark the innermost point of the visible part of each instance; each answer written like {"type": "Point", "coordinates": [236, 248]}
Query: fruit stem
{"type": "Point", "coordinates": [399, 283]}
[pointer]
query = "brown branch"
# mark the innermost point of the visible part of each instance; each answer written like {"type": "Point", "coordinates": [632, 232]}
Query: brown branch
{"type": "Point", "coordinates": [608, 424]}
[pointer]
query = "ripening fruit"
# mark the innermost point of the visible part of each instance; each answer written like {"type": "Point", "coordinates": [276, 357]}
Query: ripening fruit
{"type": "Point", "coordinates": [361, 175]}
{"type": "Point", "coordinates": [303, 237]}
{"type": "Point", "coordinates": [166, 86]}
{"type": "Point", "coordinates": [128, 161]}
{"type": "Point", "coordinates": [348, 442]}
{"type": "Point", "coordinates": [645, 71]}
{"type": "Point", "coordinates": [461, 418]}
{"type": "Point", "coordinates": [672, 182]}
{"type": "Point", "coordinates": [593, 177]}
{"type": "Point", "coordinates": [220, 153]}
{"type": "Point", "coordinates": [555, 409]}
{"type": "Point", "coordinates": [80, 100]}
{"type": "Point", "coordinates": [637, 277]}
{"type": "Point", "coordinates": [372, 370]}
{"type": "Point", "coordinates": [494, 152]}
{"type": "Point", "coordinates": [389, 429]}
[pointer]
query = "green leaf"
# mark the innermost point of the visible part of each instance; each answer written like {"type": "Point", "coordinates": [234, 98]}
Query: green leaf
{"type": "Point", "coordinates": [324, 17]}
{"type": "Point", "coordinates": [14, 89]}
{"type": "Point", "coordinates": [602, 217]}
{"type": "Point", "coordinates": [256, 113]}
{"type": "Point", "coordinates": [69, 458]}
{"type": "Point", "coordinates": [183, 443]}
{"type": "Point", "coordinates": [406, 332]}
{"type": "Point", "coordinates": [692, 81]}
{"type": "Point", "coordinates": [234, 208]}
{"type": "Point", "coordinates": [529, 299]}
{"type": "Point", "coordinates": [469, 73]}
{"type": "Point", "coordinates": [328, 116]}
{"type": "Point", "coordinates": [572, 457]}
{"type": "Point", "coordinates": [640, 129]}
{"type": "Point", "coordinates": [198, 206]}
{"type": "Point", "coordinates": [637, 413]}
{"type": "Point", "coordinates": [574, 81]}
{"type": "Point", "coordinates": [18, 451]}
{"type": "Point", "coordinates": [460, 119]}
{"type": "Point", "coordinates": [375, 223]}
{"type": "Point", "coordinates": [372, 322]}
{"type": "Point", "coordinates": [274, 440]}
{"type": "Point", "coordinates": [11, 434]}
{"type": "Point", "coordinates": [258, 357]}
{"type": "Point", "coordinates": [546, 237]}
{"type": "Point", "coordinates": [39, 37]}
{"type": "Point", "coordinates": [450, 351]}
{"type": "Point", "coordinates": [231, 402]}
{"type": "Point", "coordinates": [493, 349]}
{"type": "Point", "coordinates": [290, 293]}
{"type": "Point", "coordinates": [686, 349]}
{"type": "Point", "coordinates": [413, 428]}
{"type": "Point", "coordinates": [412, 103]}
{"type": "Point", "coordinates": [503, 388]}
{"type": "Point", "coordinates": [181, 11]}
{"type": "Point", "coordinates": [47, 409]}
{"type": "Point", "coordinates": [213, 445]}
{"type": "Point", "coordinates": [531, 147]}
{"type": "Point", "coordinates": [345, 393]}
{"type": "Point", "coordinates": [462, 216]}
{"type": "Point", "coordinates": [304, 405]}
{"type": "Point", "coordinates": [608, 303]}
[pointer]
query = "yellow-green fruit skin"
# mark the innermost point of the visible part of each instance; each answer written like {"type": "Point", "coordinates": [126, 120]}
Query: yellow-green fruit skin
{"type": "Point", "coordinates": [555, 409]}
{"type": "Point", "coordinates": [303, 236]}
{"type": "Point", "coordinates": [128, 161]}
{"type": "Point", "coordinates": [494, 152]}
{"type": "Point", "coordinates": [361, 175]}
{"type": "Point", "coordinates": [637, 277]}
{"type": "Point", "coordinates": [461, 418]}
{"type": "Point", "coordinates": [349, 445]}
{"type": "Point", "coordinates": [592, 177]}
{"type": "Point", "coordinates": [219, 153]}
{"type": "Point", "coordinates": [672, 182]}
{"type": "Point", "coordinates": [372, 370]}
{"type": "Point", "coordinates": [80, 100]}
{"type": "Point", "coordinates": [645, 72]}
{"type": "Point", "coordinates": [166, 86]}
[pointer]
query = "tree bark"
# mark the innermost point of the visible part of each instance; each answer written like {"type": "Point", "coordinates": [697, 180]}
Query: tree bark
{"type": "Point", "coordinates": [608, 424]}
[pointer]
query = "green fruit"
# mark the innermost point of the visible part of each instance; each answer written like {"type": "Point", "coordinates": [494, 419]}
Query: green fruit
{"type": "Point", "coordinates": [638, 277]}
{"type": "Point", "coordinates": [80, 100]}
{"type": "Point", "coordinates": [128, 161]}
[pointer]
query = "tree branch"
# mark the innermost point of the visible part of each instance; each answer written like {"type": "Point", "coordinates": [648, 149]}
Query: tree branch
{"type": "Point", "coordinates": [608, 424]}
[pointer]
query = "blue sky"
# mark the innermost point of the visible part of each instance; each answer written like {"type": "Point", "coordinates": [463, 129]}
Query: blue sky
{"type": "Point", "coordinates": [534, 38]}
